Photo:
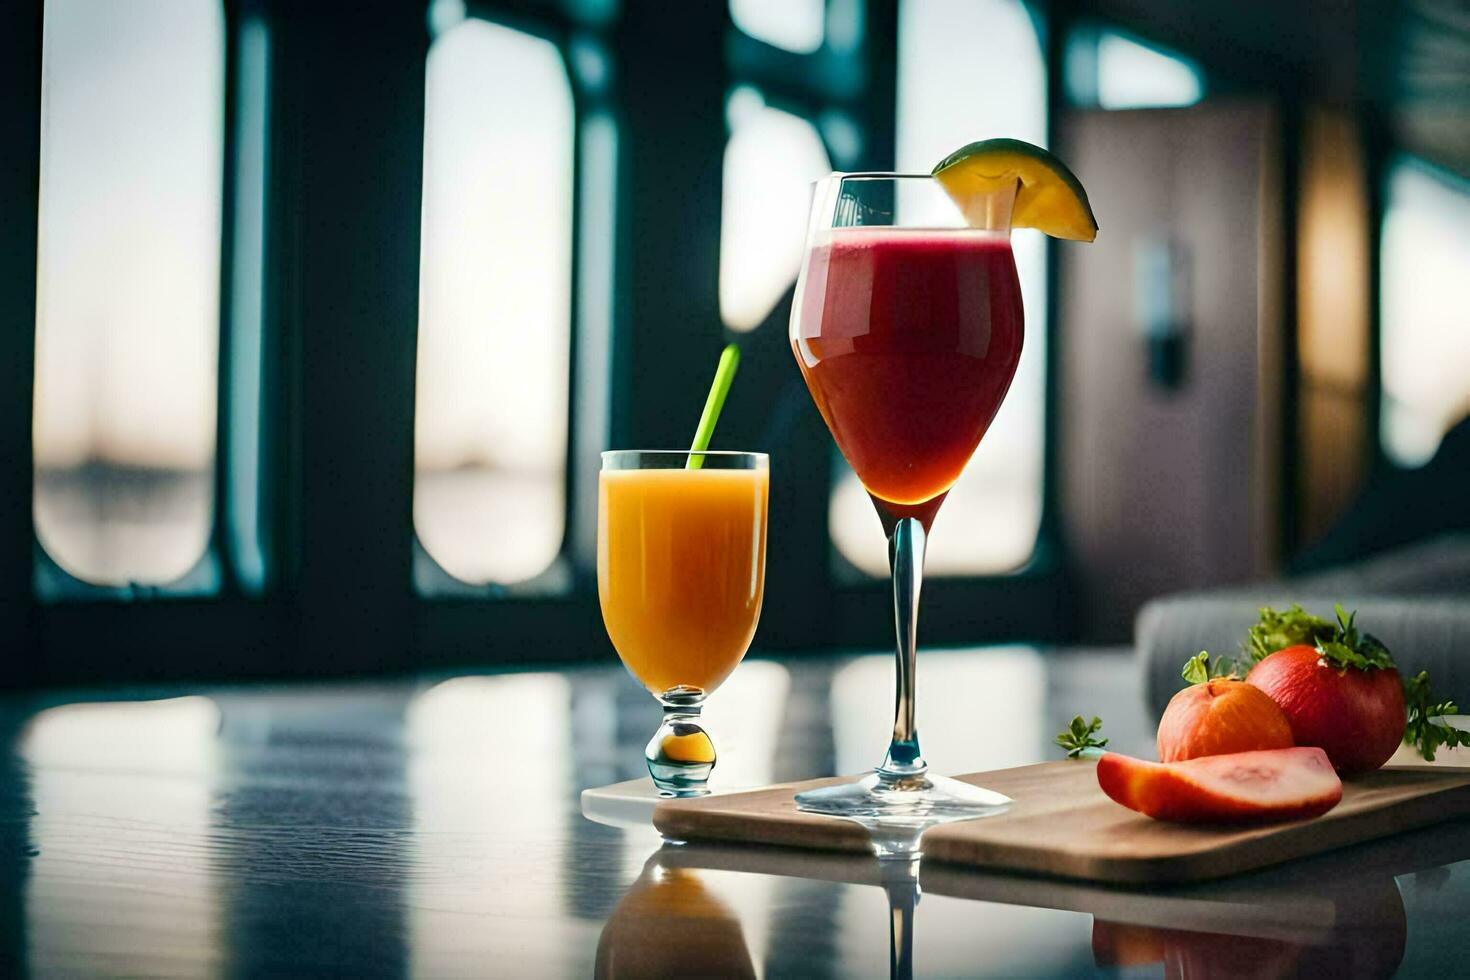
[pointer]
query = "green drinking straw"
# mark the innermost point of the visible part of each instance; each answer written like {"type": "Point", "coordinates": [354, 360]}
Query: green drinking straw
{"type": "Point", "coordinates": [718, 389]}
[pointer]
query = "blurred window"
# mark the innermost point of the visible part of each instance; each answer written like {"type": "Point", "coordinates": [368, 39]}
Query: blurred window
{"type": "Point", "coordinates": [967, 70]}
{"type": "Point", "coordinates": [128, 273]}
{"type": "Point", "coordinates": [495, 305]}
{"type": "Point", "coordinates": [1424, 296]}
{"type": "Point", "coordinates": [983, 709]}
{"type": "Point", "coordinates": [1112, 70]}
{"type": "Point", "coordinates": [1132, 75]}
{"type": "Point", "coordinates": [795, 25]}
{"type": "Point", "coordinates": [770, 160]}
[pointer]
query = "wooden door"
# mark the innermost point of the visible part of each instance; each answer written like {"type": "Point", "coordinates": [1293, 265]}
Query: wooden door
{"type": "Point", "coordinates": [1167, 488]}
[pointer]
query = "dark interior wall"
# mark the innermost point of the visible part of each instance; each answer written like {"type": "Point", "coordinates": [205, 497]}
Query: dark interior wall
{"type": "Point", "coordinates": [20, 166]}
{"type": "Point", "coordinates": [1162, 489]}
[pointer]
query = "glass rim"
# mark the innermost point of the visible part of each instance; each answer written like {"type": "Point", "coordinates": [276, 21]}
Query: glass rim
{"type": "Point", "coordinates": [827, 193]}
{"type": "Point", "coordinates": [726, 453]}
{"type": "Point", "coordinates": [870, 175]}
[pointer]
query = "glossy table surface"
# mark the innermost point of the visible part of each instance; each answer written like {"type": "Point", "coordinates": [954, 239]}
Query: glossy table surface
{"type": "Point", "coordinates": [432, 827]}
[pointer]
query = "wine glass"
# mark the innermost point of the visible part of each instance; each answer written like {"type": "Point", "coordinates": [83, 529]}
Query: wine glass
{"type": "Point", "coordinates": [907, 326]}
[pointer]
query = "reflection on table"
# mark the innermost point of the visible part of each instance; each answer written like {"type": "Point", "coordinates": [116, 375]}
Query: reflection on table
{"type": "Point", "coordinates": [432, 827]}
{"type": "Point", "coordinates": [1329, 916]}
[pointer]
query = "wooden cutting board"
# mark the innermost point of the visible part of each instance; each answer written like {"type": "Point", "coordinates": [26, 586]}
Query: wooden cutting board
{"type": "Point", "coordinates": [1062, 824]}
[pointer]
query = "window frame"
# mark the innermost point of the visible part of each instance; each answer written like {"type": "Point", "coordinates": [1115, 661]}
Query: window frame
{"type": "Point", "coordinates": [345, 104]}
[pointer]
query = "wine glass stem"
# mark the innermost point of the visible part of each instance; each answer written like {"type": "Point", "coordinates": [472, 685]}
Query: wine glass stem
{"type": "Point", "coordinates": [906, 558]}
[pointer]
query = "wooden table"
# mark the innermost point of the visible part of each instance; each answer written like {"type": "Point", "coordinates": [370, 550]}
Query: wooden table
{"type": "Point", "coordinates": [430, 826]}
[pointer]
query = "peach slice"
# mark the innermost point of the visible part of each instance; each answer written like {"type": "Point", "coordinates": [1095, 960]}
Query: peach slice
{"type": "Point", "coordinates": [1243, 787]}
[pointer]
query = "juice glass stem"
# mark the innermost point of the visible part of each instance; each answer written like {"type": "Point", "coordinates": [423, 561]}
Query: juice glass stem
{"type": "Point", "coordinates": [906, 559]}
{"type": "Point", "coordinates": [680, 755]}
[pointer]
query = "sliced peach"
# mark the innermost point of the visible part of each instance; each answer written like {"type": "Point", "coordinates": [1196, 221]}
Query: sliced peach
{"type": "Point", "coordinates": [1243, 787]}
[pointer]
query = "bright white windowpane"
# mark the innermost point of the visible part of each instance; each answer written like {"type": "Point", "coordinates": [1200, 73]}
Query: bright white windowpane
{"type": "Point", "coordinates": [128, 270]}
{"type": "Point", "coordinates": [1136, 76]}
{"type": "Point", "coordinates": [969, 70]}
{"type": "Point", "coordinates": [796, 25]}
{"type": "Point", "coordinates": [770, 161]}
{"type": "Point", "coordinates": [1425, 324]}
{"type": "Point", "coordinates": [982, 709]}
{"type": "Point", "coordinates": [494, 306]}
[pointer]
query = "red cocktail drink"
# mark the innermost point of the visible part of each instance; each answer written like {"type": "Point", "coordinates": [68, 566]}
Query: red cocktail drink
{"type": "Point", "coordinates": [908, 340]}
{"type": "Point", "coordinates": [907, 327]}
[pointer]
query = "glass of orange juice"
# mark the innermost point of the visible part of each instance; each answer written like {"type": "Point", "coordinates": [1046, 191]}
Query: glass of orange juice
{"type": "Point", "coordinates": [681, 571]}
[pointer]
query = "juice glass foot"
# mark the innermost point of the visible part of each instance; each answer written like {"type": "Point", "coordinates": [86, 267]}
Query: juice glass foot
{"type": "Point", "coordinates": [681, 755]}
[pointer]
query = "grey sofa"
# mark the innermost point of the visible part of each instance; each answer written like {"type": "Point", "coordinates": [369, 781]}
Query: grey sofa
{"type": "Point", "coordinates": [1415, 599]}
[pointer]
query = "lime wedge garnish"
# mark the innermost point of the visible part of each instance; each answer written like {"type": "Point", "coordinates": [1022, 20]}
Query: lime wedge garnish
{"type": "Point", "coordinates": [1050, 199]}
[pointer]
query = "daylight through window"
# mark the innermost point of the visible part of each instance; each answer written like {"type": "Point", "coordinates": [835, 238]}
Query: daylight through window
{"type": "Point", "coordinates": [128, 274]}
{"type": "Point", "coordinates": [1425, 295]}
{"type": "Point", "coordinates": [495, 305]}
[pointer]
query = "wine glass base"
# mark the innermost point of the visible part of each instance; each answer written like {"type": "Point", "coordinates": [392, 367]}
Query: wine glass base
{"type": "Point", "coordinates": [897, 811]}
